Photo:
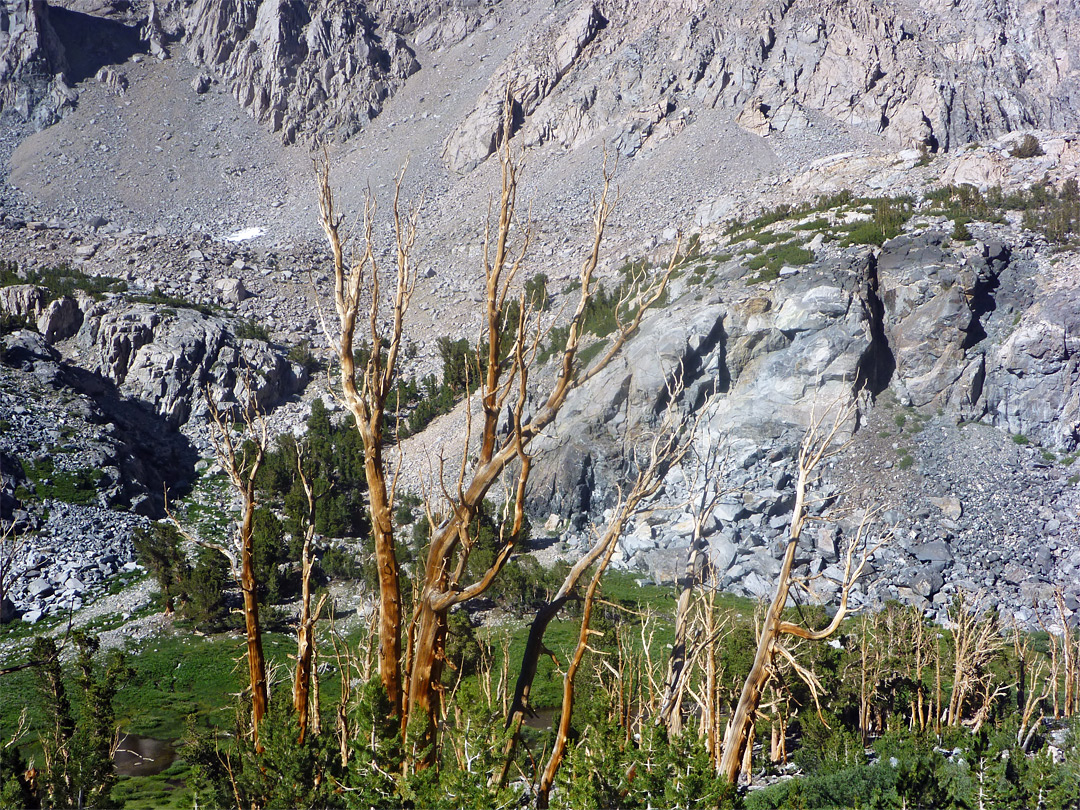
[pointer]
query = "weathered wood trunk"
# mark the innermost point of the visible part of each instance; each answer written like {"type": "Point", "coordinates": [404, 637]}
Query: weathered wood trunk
{"type": "Point", "coordinates": [425, 685]}
{"type": "Point", "coordinates": [389, 582]}
{"type": "Point", "coordinates": [256, 661]}
{"type": "Point", "coordinates": [739, 731]}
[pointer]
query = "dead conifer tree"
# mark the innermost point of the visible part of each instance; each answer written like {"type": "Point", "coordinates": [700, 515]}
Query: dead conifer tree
{"type": "Point", "coordinates": [683, 650]}
{"type": "Point", "coordinates": [305, 628]}
{"type": "Point", "coordinates": [976, 640]}
{"type": "Point", "coordinates": [240, 455]}
{"type": "Point", "coordinates": [413, 680]}
{"type": "Point", "coordinates": [1064, 677]}
{"type": "Point", "coordinates": [817, 446]}
{"type": "Point", "coordinates": [366, 396]}
{"type": "Point", "coordinates": [668, 447]}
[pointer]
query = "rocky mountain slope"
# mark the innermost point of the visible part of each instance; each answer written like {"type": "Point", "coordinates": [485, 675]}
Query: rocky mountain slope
{"type": "Point", "coordinates": [171, 150]}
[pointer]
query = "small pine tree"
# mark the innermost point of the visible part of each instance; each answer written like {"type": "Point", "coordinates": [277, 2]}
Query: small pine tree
{"type": "Point", "coordinates": [158, 548]}
{"type": "Point", "coordinates": [77, 747]}
{"type": "Point", "coordinates": [204, 591]}
{"type": "Point", "coordinates": [1028, 147]}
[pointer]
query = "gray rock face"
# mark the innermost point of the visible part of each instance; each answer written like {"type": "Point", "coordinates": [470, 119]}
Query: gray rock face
{"type": "Point", "coordinates": [32, 64]}
{"type": "Point", "coordinates": [909, 321]}
{"type": "Point", "coordinates": [532, 74]}
{"type": "Point", "coordinates": [767, 355]}
{"type": "Point", "coordinates": [935, 77]}
{"type": "Point", "coordinates": [55, 319]}
{"type": "Point", "coordinates": [879, 67]}
{"type": "Point", "coordinates": [306, 67]}
{"type": "Point", "coordinates": [931, 312]}
{"type": "Point", "coordinates": [1033, 378]}
{"type": "Point", "coordinates": [167, 358]}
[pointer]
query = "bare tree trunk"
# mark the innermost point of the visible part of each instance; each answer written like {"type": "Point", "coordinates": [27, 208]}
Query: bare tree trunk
{"type": "Point", "coordinates": [414, 684]}
{"type": "Point", "coordinates": [305, 627]}
{"type": "Point", "coordinates": [241, 464]}
{"type": "Point", "coordinates": [670, 715]}
{"type": "Point", "coordinates": [256, 661]}
{"type": "Point", "coordinates": [367, 399]}
{"type": "Point", "coordinates": [816, 447]}
{"type": "Point", "coordinates": [425, 684]}
{"type": "Point", "coordinates": [675, 681]}
{"type": "Point", "coordinates": [739, 733]}
{"type": "Point", "coordinates": [547, 779]}
{"type": "Point", "coordinates": [389, 582]}
{"type": "Point", "coordinates": [668, 447]}
{"type": "Point", "coordinates": [712, 709]}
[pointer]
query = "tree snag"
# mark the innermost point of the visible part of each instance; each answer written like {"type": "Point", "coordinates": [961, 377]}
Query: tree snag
{"type": "Point", "coordinates": [413, 681]}
{"type": "Point", "coordinates": [816, 447]}
{"type": "Point", "coordinates": [668, 447]}
{"type": "Point", "coordinates": [241, 463]}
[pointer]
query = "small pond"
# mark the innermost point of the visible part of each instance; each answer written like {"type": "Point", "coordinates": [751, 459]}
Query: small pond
{"type": "Point", "coordinates": [142, 756]}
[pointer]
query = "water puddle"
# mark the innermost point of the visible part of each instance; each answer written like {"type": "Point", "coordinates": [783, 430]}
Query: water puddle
{"type": "Point", "coordinates": [142, 756]}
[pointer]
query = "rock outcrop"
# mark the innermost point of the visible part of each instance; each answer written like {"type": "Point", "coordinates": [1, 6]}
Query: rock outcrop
{"type": "Point", "coordinates": [524, 80]}
{"type": "Point", "coordinates": [33, 64]}
{"type": "Point", "coordinates": [168, 358]}
{"type": "Point", "coordinates": [78, 424]}
{"type": "Point", "coordinates": [934, 77]}
{"type": "Point", "coordinates": [55, 318]}
{"type": "Point", "coordinates": [306, 67]}
{"type": "Point", "coordinates": [947, 338]}
{"type": "Point", "coordinates": [1033, 379]}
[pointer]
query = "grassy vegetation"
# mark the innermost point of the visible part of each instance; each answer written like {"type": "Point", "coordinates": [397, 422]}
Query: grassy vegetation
{"type": "Point", "coordinates": [610, 305]}
{"type": "Point", "coordinates": [1053, 212]}
{"type": "Point", "coordinates": [888, 216]}
{"type": "Point", "coordinates": [251, 329]}
{"type": "Point", "coordinates": [71, 486]}
{"type": "Point", "coordinates": [171, 303]}
{"type": "Point", "coordinates": [767, 265]}
{"type": "Point", "coordinates": [204, 508]}
{"type": "Point", "coordinates": [60, 280]}
{"type": "Point", "coordinates": [906, 461]}
{"type": "Point", "coordinates": [180, 679]}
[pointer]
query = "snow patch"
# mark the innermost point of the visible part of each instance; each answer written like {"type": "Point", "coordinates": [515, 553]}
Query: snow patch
{"type": "Point", "coordinates": [245, 234]}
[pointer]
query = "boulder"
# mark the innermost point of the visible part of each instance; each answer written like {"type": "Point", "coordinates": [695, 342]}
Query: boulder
{"type": "Point", "coordinates": [935, 551]}
{"type": "Point", "coordinates": [950, 506]}
{"type": "Point", "coordinates": [665, 565]}
{"type": "Point", "coordinates": [55, 319]}
{"type": "Point", "coordinates": [926, 583]}
{"type": "Point", "coordinates": [7, 611]}
{"type": "Point", "coordinates": [232, 290]}
{"type": "Point", "coordinates": [60, 320]}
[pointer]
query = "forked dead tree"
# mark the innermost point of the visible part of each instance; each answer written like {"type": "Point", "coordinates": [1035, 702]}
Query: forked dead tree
{"type": "Point", "coordinates": [818, 445]}
{"type": "Point", "coordinates": [1064, 648]}
{"type": "Point", "coordinates": [305, 628]}
{"type": "Point", "coordinates": [976, 640]}
{"type": "Point", "coordinates": [683, 649]}
{"type": "Point", "coordinates": [413, 680]}
{"type": "Point", "coordinates": [366, 396]}
{"type": "Point", "coordinates": [241, 455]}
{"type": "Point", "coordinates": [667, 448]}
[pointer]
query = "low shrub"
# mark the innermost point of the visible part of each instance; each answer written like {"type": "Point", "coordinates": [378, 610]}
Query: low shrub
{"type": "Point", "coordinates": [1027, 147]}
